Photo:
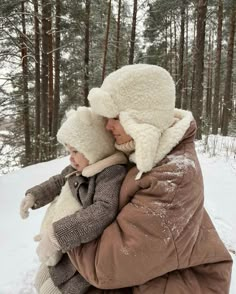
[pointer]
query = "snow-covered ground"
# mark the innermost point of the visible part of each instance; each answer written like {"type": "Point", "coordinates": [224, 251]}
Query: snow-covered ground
{"type": "Point", "coordinates": [19, 261]}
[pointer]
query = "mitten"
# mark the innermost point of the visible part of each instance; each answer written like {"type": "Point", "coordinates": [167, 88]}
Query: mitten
{"type": "Point", "coordinates": [26, 204]}
{"type": "Point", "coordinates": [48, 246]}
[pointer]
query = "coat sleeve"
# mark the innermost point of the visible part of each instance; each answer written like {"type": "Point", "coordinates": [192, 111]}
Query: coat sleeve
{"type": "Point", "coordinates": [139, 245]}
{"type": "Point", "coordinates": [87, 224]}
{"type": "Point", "coordinates": [45, 192]}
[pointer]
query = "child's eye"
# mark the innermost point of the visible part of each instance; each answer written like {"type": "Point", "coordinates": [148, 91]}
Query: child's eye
{"type": "Point", "coordinates": [74, 151]}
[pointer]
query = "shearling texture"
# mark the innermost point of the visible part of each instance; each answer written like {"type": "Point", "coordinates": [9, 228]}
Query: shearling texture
{"type": "Point", "coordinates": [85, 131]}
{"type": "Point", "coordinates": [143, 96]}
{"type": "Point", "coordinates": [168, 140]}
{"type": "Point", "coordinates": [63, 205]}
{"type": "Point", "coordinates": [142, 89]}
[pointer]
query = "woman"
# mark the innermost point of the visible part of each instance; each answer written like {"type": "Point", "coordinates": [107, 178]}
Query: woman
{"type": "Point", "coordinates": [163, 240]}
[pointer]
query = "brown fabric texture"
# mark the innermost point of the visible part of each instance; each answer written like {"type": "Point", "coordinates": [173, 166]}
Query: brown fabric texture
{"type": "Point", "coordinates": [99, 196]}
{"type": "Point", "coordinates": [162, 241]}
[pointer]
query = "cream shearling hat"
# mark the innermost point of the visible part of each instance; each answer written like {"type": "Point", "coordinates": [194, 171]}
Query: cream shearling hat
{"type": "Point", "coordinates": [143, 96]}
{"type": "Point", "coordinates": [85, 131]}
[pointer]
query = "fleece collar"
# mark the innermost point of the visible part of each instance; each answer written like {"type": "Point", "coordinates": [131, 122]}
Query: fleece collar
{"type": "Point", "coordinates": [95, 168]}
{"type": "Point", "coordinates": [169, 138]}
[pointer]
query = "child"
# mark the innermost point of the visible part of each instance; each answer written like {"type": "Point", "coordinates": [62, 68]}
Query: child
{"type": "Point", "coordinates": [88, 192]}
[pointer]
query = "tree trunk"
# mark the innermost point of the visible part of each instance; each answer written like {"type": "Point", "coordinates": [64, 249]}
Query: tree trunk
{"type": "Point", "coordinates": [215, 113]}
{"type": "Point", "coordinates": [86, 53]}
{"type": "Point", "coordinates": [57, 56]}
{"type": "Point", "coordinates": [27, 157]}
{"type": "Point", "coordinates": [186, 100]}
{"type": "Point", "coordinates": [50, 71]}
{"type": "Point", "coordinates": [118, 36]}
{"type": "Point", "coordinates": [179, 85]}
{"type": "Point", "coordinates": [166, 44]}
{"type": "Point", "coordinates": [193, 65]}
{"type": "Point", "coordinates": [37, 82]}
{"type": "Point", "coordinates": [209, 87]}
{"type": "Point", "coordinates": [199, 65]}
{"type": "Point", "coordinates": [175, 50]}
{"type": "Point", "coordinates": [133, 33]}
{"type": "Point", "coordinates": [106, 41]}
{"type": "Point", "coordinates": [171, 46]}
{"type": "Point", "coordinates": [44, 80]}
{"type": "Point", "coordinates": [227, 105]}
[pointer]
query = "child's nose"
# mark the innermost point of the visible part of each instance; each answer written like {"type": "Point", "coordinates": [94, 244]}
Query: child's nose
{"type": "Point", "coordinates": [71, 158]}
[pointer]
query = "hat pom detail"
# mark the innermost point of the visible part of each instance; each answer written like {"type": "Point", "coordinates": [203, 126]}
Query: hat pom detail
{"type": "Point", "coordinates": [102, 102]}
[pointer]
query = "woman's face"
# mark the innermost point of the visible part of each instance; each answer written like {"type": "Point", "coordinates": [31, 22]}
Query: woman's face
{"type": "Point", "coordinates": [77, 159]}
{"type": "Point", "coordinates": [114, 126]}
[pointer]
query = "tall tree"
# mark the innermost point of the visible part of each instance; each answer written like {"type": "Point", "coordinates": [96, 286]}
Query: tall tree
{"type": "Point", "coordinates": [179, 86]}
{"type": "Point", "coordinates": [133, 32]}
{"type": "Point", "coordinates": [199, 65]}
{"type": "Point", "coordinates": [194, 66]}
{"type": "Point", "coordinates": [106, 41]}
{"type": "Point", "coordinates": [86, 52]}
{"type": "Point", "coordinates": [44, 85]}
{"type": "Point", "coordinates": [24, 58]}
{"type": "Point", "coordinates": [227, 107]}
{"type": "Point", "coordinates": [57, 63]}
{"type": "Point", "coordinates": [37, 81]}
{"type": "Point", "coordinates": [50, 70]}
{"type": "Point", "coordinates": [186, 100]}
{"type": "Point", "coordinates": [175, 50]}
{"type": "Point", "coordinates": [118, 36]}
{"type": "Point", "coordinates": [215, 112]}
{"type": "Point", "coordinates": [208, 108]}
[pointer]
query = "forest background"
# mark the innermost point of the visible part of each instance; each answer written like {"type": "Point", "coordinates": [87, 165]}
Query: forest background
{"type": "Point", "coordinates": [52, 52]}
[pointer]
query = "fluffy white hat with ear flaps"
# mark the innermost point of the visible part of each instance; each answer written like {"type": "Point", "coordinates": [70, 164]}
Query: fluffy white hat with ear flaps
{"type": "Point", "coordinates": [143, 96]}
{"type": "Point", "coordinates": [85, 131]}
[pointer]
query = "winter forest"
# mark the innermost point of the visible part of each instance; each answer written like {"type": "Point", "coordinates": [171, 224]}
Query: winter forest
{"type": "Point", "coordinates": [52, 52]}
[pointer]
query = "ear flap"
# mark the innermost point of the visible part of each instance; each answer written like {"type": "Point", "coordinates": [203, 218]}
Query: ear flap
{"type": "Point", "coordinates": [146, 139]}
{"type": "Point", "coordinates": [102, 103]}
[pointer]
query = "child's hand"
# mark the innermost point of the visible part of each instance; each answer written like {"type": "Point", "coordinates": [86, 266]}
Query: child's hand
{"type": "Point", "coordinates": [26, 204]}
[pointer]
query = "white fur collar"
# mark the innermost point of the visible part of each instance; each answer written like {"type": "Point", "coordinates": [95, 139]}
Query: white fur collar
{"type": "Point", "coordinates": [97, 167]}
{"type": "Point", "coordinates": [171, 137]}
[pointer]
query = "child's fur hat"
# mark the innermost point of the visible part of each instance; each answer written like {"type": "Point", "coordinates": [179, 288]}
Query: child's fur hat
{"type": "Point", "coordinates": [85, 131]}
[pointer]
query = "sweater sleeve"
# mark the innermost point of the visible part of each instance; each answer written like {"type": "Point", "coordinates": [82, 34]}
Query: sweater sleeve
{"type": "Point", "coordinates": [45, 192]}
{"type": "Point", "coordinates": [87, 224]}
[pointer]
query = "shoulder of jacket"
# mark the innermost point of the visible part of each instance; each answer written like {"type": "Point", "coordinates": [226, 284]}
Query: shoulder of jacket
{"type": "Point", "coordinates": [117, 168]}
{"type": "Point", "coordinates": [113, 171]}
{"type": "Point", "coordinates": [174, 167]}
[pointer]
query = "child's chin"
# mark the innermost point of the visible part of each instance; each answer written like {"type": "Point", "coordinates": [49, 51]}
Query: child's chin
{"type": "Point", "coordinates": [74, 166]}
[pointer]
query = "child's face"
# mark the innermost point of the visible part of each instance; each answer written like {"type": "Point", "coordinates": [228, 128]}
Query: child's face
{"type": "Point", "coordinates": [77, 159]}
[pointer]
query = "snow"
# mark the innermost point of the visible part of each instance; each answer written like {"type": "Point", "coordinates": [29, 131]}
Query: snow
{"type": "Point", "coordinates": [18, 258]}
